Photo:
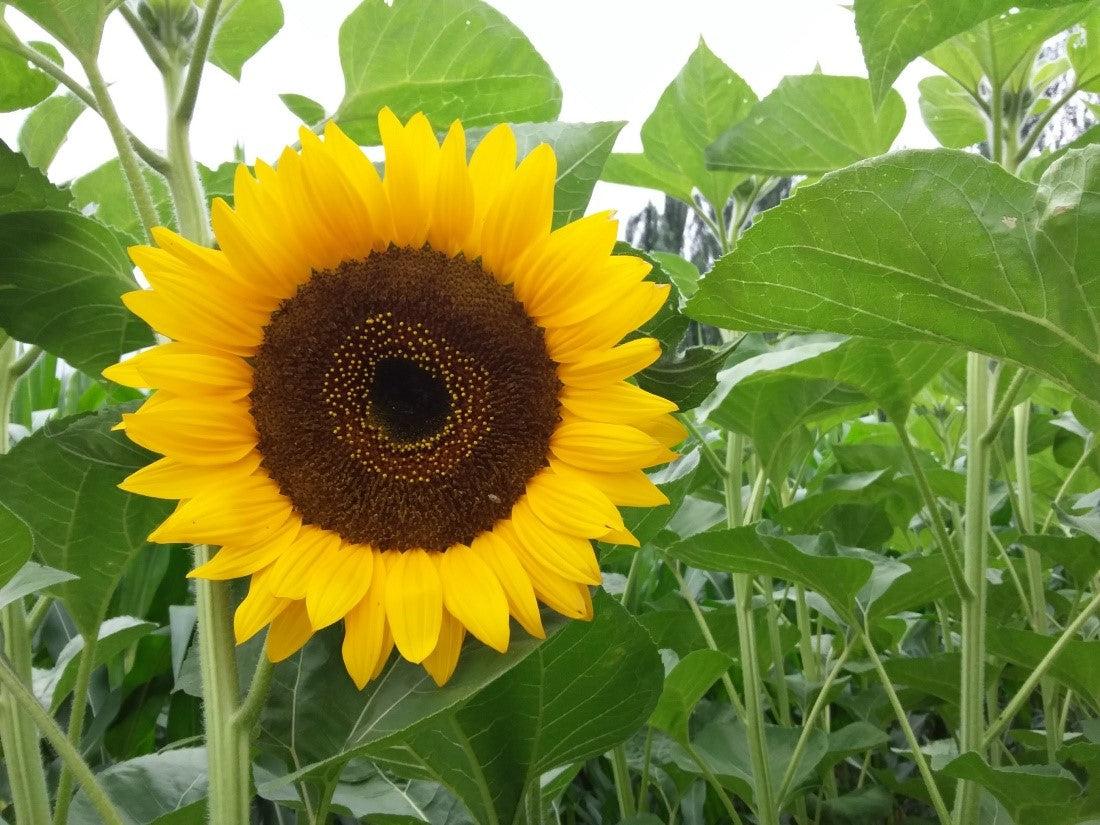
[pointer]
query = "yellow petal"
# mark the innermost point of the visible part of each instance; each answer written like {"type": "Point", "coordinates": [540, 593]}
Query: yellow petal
{"type": "Point", "coordinates": [185, 369]}
{"type": "Point", "coordinates": [600, 369]}
{"type": "Point", "coordinates": [365, 647]}
{"type": "Point", "coordinates": [514, 580]}
{"type": "Point", "coordinates": [239, 512]}
{"type": "Point", "coordinates": [289, 631]}
{"type": "Point", "coordinates": [233, 562]}
{"type": "Point", "coordinates": [606, 447]}
{"type": "Point", "coordinates": [453, 212]}
{"type": "Point", "coordinates": [561, 268]}
{"type": "Point", "coordinates": [414, 604]}
{"type": "Point", "coordinates": [521, 214]}
{"type": "Point", "coordinates": [292, 571]}
{"type": "Point", "coordinates": [412, 158]}
{"type": "Point", "coordinates": [618, 403]}
{"type": "Point", "coordinates": [569, 556]}
{"type": "Point", "coordinates": [338, 583]}
{"type": "Point", "coordinates": [256, 610]}
{"type": "Point", "coordinates": [442, 661]}
{"type": "Point", "coordinates": [570, 505]}
{"type": "Point", "coordinates": [193, 324]}
{"type": "Point", "coordinates": [565, 596]}
{"type": "Point", "coordinates": [363, 177]}
{"type": "Point", "coordinates": [623, 536]}
{"type": "Point", "coordinates": [194, 431]}
{"type": "Point", "coordinates": [473, 595]}
{"type": "Point", "coordinates": [630, 309]}
{"type": "Point", "coordinates": [169, 478]}
{"type": "Point", "coordinates": [616, 277]}
{"type": "Point", "coordinates": [665, 429]}
{"type": "Point", "coordinates": [492, 168]}
{"type": "Point", "coordinates": [630, 488]}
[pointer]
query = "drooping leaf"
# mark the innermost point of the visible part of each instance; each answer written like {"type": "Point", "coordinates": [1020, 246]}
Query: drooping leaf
{"type": "Point", "coordinates": [937, 246]}
{"type": "Point", "coordinates": [28, 579]}
{"type": "Point", "coordinates": [688, 682]}
{"type": "Point", "coordinates": [1032, 794]}
{"type": "Point", "coordinates": [451, 59]}
{"type": "Point", "coordinates": [115, 635]}
{"type": "Point", "coordinates": [45, 129]}
{"type": "Point", "coordinates": [104, 193]}
{"type": "Point", "coordinates": [1077, 666]}
{"type": "Point", "coordinates": [894, 33]}
{"type": "Point", "coordinates": [61, 483]}
{"type": "Point", "coordinates": [21, 84]}
{"type": "Point", "coordinates": [687, 378]}
{"type": "Point", "coordinates": [950, 113]}
{"type": "Point", "coordinates": [24, 188]}
{"type": "Point", "coordinates": [62, 276]}
{"type": "Point", "coordinates": [810, 124]}
{"type": "Point", "coordinates": [817, 564]}
{"type": "Point", "coordinates": [1080, 555]}
{"type": "Point", "coordinates": [168, 788]}
{"type": "Point", "coordinates": [242, 31]}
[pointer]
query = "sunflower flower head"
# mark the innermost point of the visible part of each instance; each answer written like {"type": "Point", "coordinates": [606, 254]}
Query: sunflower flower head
{"type": "Point", "coordinates": [398, 401]}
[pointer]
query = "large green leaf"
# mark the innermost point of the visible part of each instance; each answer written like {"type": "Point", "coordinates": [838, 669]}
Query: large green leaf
{"type": "Point", "coordinates": [24, 188]}
{"type": "Point", "coordinates": [581, 150]}
{"type": "Point", "coordinates": [78, 24]}
{"type": "Point", "coordinates": [938, 246]}
{"type": "Point", "coordinates": [705, 99]}
{"type": "Point", "coordinates": [22, 85]}
{"type": "Point", "coordinates": [810, 124]}
{"type": "Point", "coordinates": [1077, 665]}
{"type": "Point", "coordinates": [61, 276]}
{"type": "Point", "coordinates": [1032, 794]}
{"type": "Point", "coordinates": [588, 688]}
{"type": "Point", "coordinates": [685, 685]}
{"type": "Point", "coordinates": [242, 31]}
{"type": "Point", "coordinates": [950, 113]}
{"type": "Point", "coordinates": [451, 59]}
{"type": "Point", "coordinates": [45, 129]}
{"type": "Point", "coordinates": [62, 484]}
{"type": "Point", "coordinates": [104, 194]}
{"type": "Point", "coordinates": [166, 788]}
{"type": "Point", "coordinates": [894, 33]}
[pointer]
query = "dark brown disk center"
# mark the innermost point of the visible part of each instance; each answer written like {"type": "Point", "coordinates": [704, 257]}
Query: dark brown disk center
{"type": "Point", "coordinates": [403, 400]}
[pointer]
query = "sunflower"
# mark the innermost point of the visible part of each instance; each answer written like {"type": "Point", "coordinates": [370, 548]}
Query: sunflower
{"type": "Point", "coordinates": [398, 401]}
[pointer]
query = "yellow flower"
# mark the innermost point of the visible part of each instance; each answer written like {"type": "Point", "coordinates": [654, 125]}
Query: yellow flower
{"type": "Point", "coordinates": [400, 402]}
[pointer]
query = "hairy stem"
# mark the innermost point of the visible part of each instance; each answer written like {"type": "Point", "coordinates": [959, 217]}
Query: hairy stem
{"type": "Point", "coordinates": [76, 727]}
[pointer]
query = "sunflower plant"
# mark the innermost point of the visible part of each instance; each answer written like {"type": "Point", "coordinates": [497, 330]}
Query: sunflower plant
{"type": "Point", "coordinates": [383, 480]}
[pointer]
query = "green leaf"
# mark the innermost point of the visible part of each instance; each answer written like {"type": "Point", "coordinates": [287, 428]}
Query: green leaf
{"type": "Point", "coordinates": [581, 150]}
{"type": "Point", "coordinates": [23, 188]}
{"type": "Point", "coordinates": [104, 194]}
{"type": "Point", "coordinates": [938, 246]}
{"type": "Point", "coordinates": [62, 276]}
{"type": "Point", "coordinates": [894, 33]}
{"type": "Point", "coordinates": [1079, 555]}
{"type": "Point", "coordinates": [585, 690]}
{"type": "Point", "coordinates": [685, 685]}
{"type": "Point", "coordinates": [451, 59]}
{"type": "Point", "coordinates": [683, 274]}
{"type": "Point", "coordinates": [705, 99]}
{"type": "Point", "coordinates": [45, 129]}
{"type": "Point", "coordinates": [242, 31]}
{"type": "Point", "coordinates": [29, 579]}
{"type": "Point", "coordinates": [1032, 794]}
{"type": "Point", "coordinates": [817, 563]}
{"type": "Point", "coordinates": [1077, 666]}
{"type": "Point", "coordinates": [926, 581]}
{"type": "Point", "coordinates": [937, 675]}
{"type": "Point", "coordinates": [687, 378]}
{"type": "Point", "coordinates": [638, 170]}
{"type": "Point", "coordinates": [1034, 167]}
{"type": "Point", "coordinates": [62, 484]}
{"type": "Point", "coordinates": [810, 124]}
{"type": "Point", "coordinates": [166, 788]}
{"type": "Point", "coordinates": [22, 85]}
{"type": "Point", "coordinates": [115, 636]}
{"type": "Point", "coordinates": [306, 109]}
{"type": "Point", "coordinates": [950, 113]}
{"type": "Point", "coordinates": [1083, 49]}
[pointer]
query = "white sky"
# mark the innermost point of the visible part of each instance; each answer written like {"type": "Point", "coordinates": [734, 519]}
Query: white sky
{"type": "Point", "coordinates": [613, 58]}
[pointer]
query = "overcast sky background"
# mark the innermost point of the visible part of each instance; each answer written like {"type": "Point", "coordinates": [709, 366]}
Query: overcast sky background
{"type": "Point", "coordinates": [613, 58]}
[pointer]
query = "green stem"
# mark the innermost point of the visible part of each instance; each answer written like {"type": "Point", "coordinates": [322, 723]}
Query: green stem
{"type": "Point", "coordinates": [76, 727]}
{"type": "Point", "coordinates": [131, 168]}
{"type": "Point", "coordinates": [899, 712]}
{"type": "Point", "coordinates": [735, 459]}
{"type": "Point", "coordinates": [996, 112]}
{"type": "Point", "coordinates": [21, 365]}
{"type": "Point", "coordinates": [248, 714]}
{"type": "Point", "coordinates": [623, 790]}
{"type": "Point", "coordinates": [783, 700]}
{"type": "Point", "coordinates": [705, 449]}
{"type": "Point", "coordinates": [752, 689]}
{"type": "Point", "coordinates": [939, 529]}
{"type": "Point", "coordinates": [183, 179]}
{"type": "Point", "coordinates": [227, 744]}
{"type": "Point", "coordinates": [715, 785]}
{"type": "Point", "coordinates": [972, 688]}
{"type": "Point", "coordinates": [16, 691]}
{"type": "Point", "coordinates": [811, 663]}
{"type": "Point", "coordinates": [1042, 122]}
{"type": "Point", "coordinates": [643, 784]}
{"type": "Point", "coordinates": [809, 722]}
{"type": "Point", "coordinates": [1090, 444]}
{"type": "Point", "coordinates": [325, 802]}
{"type": "Point", "coordinates": [152, 48]}
{"type": "Point", "coordinates": [1006, 405]}
{"type": "Point", "coordinates": [185, 105]}
{"type": "Point", "coordinates": [18, 737]}
{"type": "Point", "coordinates": [1024, 693]}
{"type": "Point", "coordinates": [38, 613]}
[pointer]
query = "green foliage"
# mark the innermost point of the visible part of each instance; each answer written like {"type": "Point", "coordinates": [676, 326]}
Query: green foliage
{"type": "Point", "coordinates": [471, 63]}
{"type": "Point", "coordinates": [45, 129]}
{"type": "Point", "coordinates": [244, 28]}
{"type": "Point", "coordinates": [21, 84]}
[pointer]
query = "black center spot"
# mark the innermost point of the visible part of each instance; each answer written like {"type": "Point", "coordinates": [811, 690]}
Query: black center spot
{"type": "Point", "coordinates": [408, 401]}
{"type": "Point", "coordinates": [404, 400]}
